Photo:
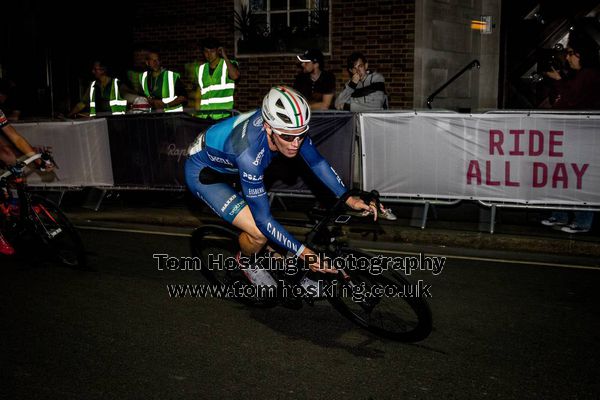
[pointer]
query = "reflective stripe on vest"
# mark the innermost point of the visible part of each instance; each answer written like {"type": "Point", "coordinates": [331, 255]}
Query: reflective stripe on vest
{"type": "Point", "coordinates": [117, 104]}
{"type": "Point", "coordinates": [216, 94]}
{"type": "Point", "coordinates": [167, 89]}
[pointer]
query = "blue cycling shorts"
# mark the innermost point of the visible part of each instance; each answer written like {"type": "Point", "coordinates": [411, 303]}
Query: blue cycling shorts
{"type": "Point", "coordinates": [220, 196]}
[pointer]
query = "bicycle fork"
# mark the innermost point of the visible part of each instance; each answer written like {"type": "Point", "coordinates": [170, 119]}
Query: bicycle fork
{"type": "Point", "coordinates": [367, 303]}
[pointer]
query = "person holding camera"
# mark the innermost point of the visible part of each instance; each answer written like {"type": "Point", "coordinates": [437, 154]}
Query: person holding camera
{"type": "Point", "coordinates": [216, 81]}
{"type": "Point", "coordinates": [365, 91]}
{"type": "Point", "coordinates": [578, 90]}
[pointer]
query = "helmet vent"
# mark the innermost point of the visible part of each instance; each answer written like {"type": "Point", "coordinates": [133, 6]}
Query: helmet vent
{"type": "Point", "coordinates": [285, 118]}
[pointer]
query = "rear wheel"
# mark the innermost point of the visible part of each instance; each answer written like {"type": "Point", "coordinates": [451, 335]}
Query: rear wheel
{"type": "Point", "coordinates": [217, 247]}
{"type": "Point", "coordinates": [384, 304]}
{"type": "Point", "coordinates": [56, 234]}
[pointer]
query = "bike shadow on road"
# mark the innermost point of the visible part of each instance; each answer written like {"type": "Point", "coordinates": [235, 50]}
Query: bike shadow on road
{"type": "Point", "coordinates": [324, 327]}
{"type": "Point", "coordinates": [320, 325]}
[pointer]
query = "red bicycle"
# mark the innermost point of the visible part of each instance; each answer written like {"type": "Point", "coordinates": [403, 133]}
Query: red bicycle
{"type": "Point", "coordinates": [35, 226]}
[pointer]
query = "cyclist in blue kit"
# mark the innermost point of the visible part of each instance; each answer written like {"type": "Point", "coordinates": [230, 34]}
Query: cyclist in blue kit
{"type": "Point", "coordinates": [245, 145]}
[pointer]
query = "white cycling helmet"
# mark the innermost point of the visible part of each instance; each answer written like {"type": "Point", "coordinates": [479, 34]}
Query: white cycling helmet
{"type": "Point", "coordinates": [285, 108]}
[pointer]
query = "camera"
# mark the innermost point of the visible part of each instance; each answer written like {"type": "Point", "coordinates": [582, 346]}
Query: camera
{"type": "Point", "coordinates": [549, 59]}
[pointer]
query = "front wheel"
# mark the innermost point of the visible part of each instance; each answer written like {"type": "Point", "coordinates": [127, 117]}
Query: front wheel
{"type": "Point", "coordinates": [384, 304]}
{"type": "Point", "coordinates": [56, 233]}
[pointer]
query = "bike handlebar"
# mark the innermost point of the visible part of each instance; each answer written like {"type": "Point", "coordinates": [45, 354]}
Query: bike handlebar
{"type": "Point", "coordinates": [17, 169]}
{"type": "Point", "coordinates": [367, 197]}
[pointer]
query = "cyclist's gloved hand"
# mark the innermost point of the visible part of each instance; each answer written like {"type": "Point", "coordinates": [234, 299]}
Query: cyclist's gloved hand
{"type": "Point", "coordinates": [46, 162]}
{"type": "Point", "coordinates": [356, 203]}
{"type": "Point", "coordinates": [46, 166]}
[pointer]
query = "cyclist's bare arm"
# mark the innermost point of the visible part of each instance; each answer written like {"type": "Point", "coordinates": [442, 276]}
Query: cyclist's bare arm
{"type": "Point", "coordinates": [19, 141]}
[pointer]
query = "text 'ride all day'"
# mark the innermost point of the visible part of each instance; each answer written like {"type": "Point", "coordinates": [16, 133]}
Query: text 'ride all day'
{"type": "Point", "coordinates": [530, 143]}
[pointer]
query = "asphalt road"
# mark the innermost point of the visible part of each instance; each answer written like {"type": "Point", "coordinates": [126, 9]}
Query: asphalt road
{"type": "Point", "coordinates": [501, 331]}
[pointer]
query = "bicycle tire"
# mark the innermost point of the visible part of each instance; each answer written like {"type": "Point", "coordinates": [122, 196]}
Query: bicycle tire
{"type": "Point", "coordinates": [216, 240]}
{"type": "Point", "coordinates": [56, 233]}
{"type": "Point", "coordinates": [404, 319]}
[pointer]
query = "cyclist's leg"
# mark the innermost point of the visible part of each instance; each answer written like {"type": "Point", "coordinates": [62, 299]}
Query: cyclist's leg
{"type": "Point", "coordinates": [227, 204]}
{"type": "Point", "coordinates": [251, 239]}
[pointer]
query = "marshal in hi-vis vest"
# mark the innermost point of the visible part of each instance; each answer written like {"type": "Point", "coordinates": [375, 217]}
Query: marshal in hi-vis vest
{"type": "Point", "coordinates": [118, 105]}
{"type": "Point", "coordinates": [168, 88]}
{"type": "Point", "coordinates": [216, 91]}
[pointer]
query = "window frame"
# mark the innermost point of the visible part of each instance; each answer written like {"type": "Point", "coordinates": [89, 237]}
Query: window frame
{"type": "Point", "coordinates": [268, 12]}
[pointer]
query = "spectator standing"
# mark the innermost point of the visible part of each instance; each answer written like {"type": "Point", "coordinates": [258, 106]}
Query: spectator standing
{"type": "Point", "coordinates": [365, 91]}
{"type": "Point", "coordinates": [216, 81]}
{"type": "Point", "coordinates": [103, 94]}
{"type": "Point", "coordinates": [314, 82]}
{"type": "Point", "coordinates": [163, 88]}
{"type": "Point", "coordinates": [580, 90]}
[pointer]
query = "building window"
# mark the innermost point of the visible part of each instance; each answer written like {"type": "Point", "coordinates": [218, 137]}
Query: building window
{"type": "Point", "coordinates": [281, 26]}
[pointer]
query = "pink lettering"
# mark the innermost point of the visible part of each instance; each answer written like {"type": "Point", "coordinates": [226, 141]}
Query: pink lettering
{"type": "Point", "coordinates": [560, 175]}
{"type": "Point", "coordinates": [540, 174]}
{"type": "Point", "coordinates": [533, 136]}
{"type": "Point", "coordinates": [516, 149]}
{"type": "Point", "coordinates": [496, 141]}
{"type": "Point", "coordinates": [488, 173]}
{"type": "Point", "coordinates": [579, 173]}
{"type": "Point", "coordinates": [473, 172]}
{"type": "Point", "coordinates": [507, 180]}
{"type": "Point", "coordinates": [554, 142]}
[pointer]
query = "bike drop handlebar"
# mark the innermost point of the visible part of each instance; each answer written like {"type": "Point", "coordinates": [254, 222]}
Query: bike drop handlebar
{"type": "Point", "coordinates": [17, 169]}
{"type": "Point", "coordinates": [367, 197]}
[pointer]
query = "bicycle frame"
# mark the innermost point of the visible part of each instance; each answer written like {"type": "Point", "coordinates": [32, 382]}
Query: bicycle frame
{"type": "Point", "coordinates": [39, 222]}
{"type": "Point", "coordinates": [13, 176]}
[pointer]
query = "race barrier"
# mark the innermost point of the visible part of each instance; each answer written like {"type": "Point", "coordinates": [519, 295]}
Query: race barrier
{"type": "Point", "coordinates": [81, 151]}
{"type": "Point", "coordinates": [148, 151]}
{"type": "Point", "coordinates": [519, 159]}
{"type": "Point", "coordinates": [533, 160]}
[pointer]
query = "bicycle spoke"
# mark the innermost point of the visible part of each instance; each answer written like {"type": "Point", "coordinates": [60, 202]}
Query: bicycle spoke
{"type": "Point", "coordinates": [398, 318]}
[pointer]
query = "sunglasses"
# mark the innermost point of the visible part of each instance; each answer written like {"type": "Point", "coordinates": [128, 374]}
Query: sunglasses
{"type": "Point", "coordinates": [291, 137]}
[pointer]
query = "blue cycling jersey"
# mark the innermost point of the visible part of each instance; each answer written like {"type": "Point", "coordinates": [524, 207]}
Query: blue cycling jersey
{"type": "Point", "coordinates": [239, 145]}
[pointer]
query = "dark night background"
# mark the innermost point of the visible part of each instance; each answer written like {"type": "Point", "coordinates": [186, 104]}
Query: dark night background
{"type": "Point", "coordinates": [61, 39]}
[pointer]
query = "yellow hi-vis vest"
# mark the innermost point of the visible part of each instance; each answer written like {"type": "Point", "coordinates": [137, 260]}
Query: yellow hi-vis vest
{"type": "Point", "coordinates": [168, 88]}
{"type": "Point", "coordinates": [216, 90]}
{"type": "Point", "coordinates": [118, 105]}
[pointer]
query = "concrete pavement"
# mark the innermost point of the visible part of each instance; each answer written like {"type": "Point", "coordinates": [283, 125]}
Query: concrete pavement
{"type": "Point", "coordinates": [517, 231]}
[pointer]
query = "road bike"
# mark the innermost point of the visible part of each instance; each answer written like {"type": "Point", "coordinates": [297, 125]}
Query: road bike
{"type": "Point", "coordinates": [385, 303]}
{"type": "Point", "coordinates": [35, 226]}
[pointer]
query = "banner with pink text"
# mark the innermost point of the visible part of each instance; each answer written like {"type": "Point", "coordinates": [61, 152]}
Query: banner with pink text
{"type": "Point", "coordinates": [527, 159]}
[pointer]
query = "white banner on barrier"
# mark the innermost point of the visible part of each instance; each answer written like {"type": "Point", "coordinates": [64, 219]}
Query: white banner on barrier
{"type": "Point", "coordinates": [81, 150]}
{"type": "Point", "coordinates": [536, 159]}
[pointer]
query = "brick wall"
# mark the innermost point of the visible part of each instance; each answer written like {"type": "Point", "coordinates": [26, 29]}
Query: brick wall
{"type": "Point", "coordinates": [383, 30]}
